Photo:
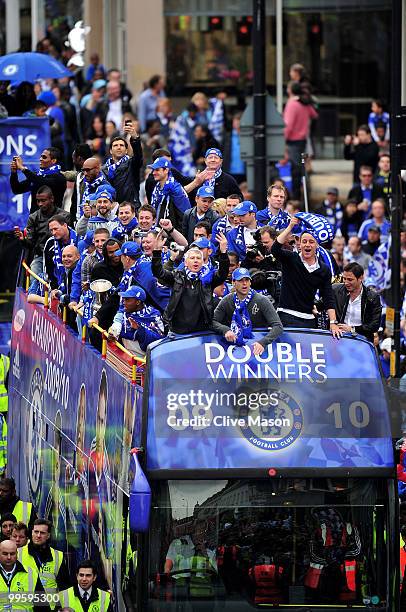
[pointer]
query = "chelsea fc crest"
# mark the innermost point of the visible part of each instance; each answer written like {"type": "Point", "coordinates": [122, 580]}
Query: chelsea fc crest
{"type": "Point", "coordinates": [273, 426]}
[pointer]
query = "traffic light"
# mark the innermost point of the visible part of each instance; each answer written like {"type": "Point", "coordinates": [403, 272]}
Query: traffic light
{"type": "Point", "coordinates": [215, 23]}
{"type": "Point", "coordinates": [315, 32]}
{"type": "Point", "coordinates": [244, 31]}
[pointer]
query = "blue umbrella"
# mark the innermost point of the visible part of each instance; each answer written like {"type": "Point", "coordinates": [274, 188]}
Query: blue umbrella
{"type": "Point", "coordinates": [31, 67]}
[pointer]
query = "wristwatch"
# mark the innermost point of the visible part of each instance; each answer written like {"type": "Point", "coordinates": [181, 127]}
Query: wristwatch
{"type": "Point", "coordinates": [333, 322]}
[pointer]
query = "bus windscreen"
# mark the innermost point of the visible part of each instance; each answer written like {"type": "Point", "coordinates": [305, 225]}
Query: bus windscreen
{"type": "Point", "coordinates": [309, 401]}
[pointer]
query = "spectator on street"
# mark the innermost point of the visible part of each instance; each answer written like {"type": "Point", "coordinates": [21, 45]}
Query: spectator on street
{"type": "Point", "coordinates": [378, 117]}
{"type": "Point", "coordinates": [114, 107]}
{"type": "Point", "coordinates": [10, 502]}
{"type": "Point", "coordinates": [190, 308]}
{"type": "Point", "coordinates": [373, 240]}
{"type": "Point", "coordinates": [297, 115]}
{"type": "Point", "coordinates": [377, 220]}
{"type": "Point", "coordinates": [122, 170]}
{"type": "Point", "coordinates": [352, 220]}
{"type": "Point", "coordinates": [382, 177]}
{"type": "Point", "coordinates": [7, 523]}
{"type": "Point", "coordinates": [49, 174]}
{"type": "Point", "coordinates": [332, 209]}
{"type": "Point", "coordinates": [354, 252]}
{"type": "Point", "coordinates": [365, 191]}
{"type": "Point", "coordinates": [302, 276]}
{"type": "Point", "coordinates": [148, 100]}
{"type": "Point", "coordinates": [238, 313]}
{"type": "Point", "coordinates": [362, 149]}
{"type": "Point", "coordinates": [358, 307]}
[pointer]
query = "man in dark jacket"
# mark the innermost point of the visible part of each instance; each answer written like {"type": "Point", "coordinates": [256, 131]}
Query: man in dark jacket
{"type": "Point", "coordinates": [168, 198]}
{"type": "Point", "coordinates": [37, 229]}
{"type": "Point", "coordinates": [123, 171]}
{"type": "Point", "coordinates": [362, 149]}
{"type": "Point", "coordinates": [358, 308]}
{"type": "Point", "coordinates": [190, 308]}
{"type": "Point", "coordinates": [238, 313]}
{"type": "Point", "coordinates": [365, 191]}
{"type": "Point", "coordinates": [201, 212]}
{"type": "Point", "coordinates": [49, 174]}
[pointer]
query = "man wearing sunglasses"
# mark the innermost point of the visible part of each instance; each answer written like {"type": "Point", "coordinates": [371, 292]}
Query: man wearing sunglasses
{"type": "Point", "coordinates": [49, 174]}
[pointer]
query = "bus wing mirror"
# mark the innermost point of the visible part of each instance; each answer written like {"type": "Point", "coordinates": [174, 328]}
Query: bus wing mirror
{"type": "Point", "coordinates": [140, 497]}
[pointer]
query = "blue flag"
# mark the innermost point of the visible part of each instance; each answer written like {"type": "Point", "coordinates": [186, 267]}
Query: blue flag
{"type": "Point", "coordinates": [318, 225]}
{"type": "Point", "coordinates": [27, 137]}
{"type": "Point", "coordinates": [378, 269]}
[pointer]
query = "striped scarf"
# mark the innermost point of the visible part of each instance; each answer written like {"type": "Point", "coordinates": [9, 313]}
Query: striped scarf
{"type": "Point", "coordinates": [57, 257]}
{"type": "Point", "coordinates": [241, 323]}
{"type": "Point", "coordinates": [160, 193]}
{"type": "Point", "coordinates": [211, 182]}
{"type": "Point", "coordinates": [51, 170]}
{"type": "Point", "coordinates": [113, 166]}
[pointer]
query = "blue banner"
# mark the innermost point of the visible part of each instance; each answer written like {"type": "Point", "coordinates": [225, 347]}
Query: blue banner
{"type": "Point", "coordinates": [76, 418]}
{"type": "Point", "coordinates": [26, 137]}
{"type": "Point", "coordinates": [318, 225]}
{"type": "Point", "coordinates": [309, 401]}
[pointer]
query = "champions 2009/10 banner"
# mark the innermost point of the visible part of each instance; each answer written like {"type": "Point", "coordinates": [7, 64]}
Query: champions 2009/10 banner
{"type": "Point", "coordinates": [26, 137]}
{"type": "Point", "coordinates": [71, 422]}
{"type": "Point", "coordinates": [212, 405]}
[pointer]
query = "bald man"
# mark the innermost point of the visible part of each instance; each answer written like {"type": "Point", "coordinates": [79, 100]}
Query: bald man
{"type": "Point", "coordinates": [94, 178]}
{"type": "Point", "coordinates": [15, 578]}
{"type": "Point", "coordinates": [69, 279]}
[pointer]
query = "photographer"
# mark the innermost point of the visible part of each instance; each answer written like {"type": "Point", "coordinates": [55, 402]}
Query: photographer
{"type": "Point", "coordinates": [265, 268]}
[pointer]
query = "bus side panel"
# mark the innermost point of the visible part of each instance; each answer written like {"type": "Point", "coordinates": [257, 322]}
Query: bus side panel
{"type": "Point", "coordinates": [71, 429]}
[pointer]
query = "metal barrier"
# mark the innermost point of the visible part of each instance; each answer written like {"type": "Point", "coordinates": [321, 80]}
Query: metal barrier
{"type": "Point", "coordinates": [136, 376]}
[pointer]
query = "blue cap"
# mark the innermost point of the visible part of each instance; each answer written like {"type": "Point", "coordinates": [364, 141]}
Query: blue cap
{"type": "Point", "coordinates": [202, 243]}
{"type": "Point", "coordinates": [134, 292]}
{"type": "Point", "coordinates": [106, 188]}
{"type": "Point", "coordinates": [205, 192]}
{"type": "Point", "coordinates": [92, 197]}
{"type": "Point", "coordinates": [245, 207]}
{"type": "Point", "coordinates": [47, 97]}
{"type": "Point", "coordinates": [213, 151]}
{"type": "Point", "coordinates": [161, 162]}
{"type": "Point", "coordinates": [241, 273]}
{"type": "Point", "coordinates": [99, 83]}
{"type": "Point", "coordinates": [103, 193]}
{"type": "Point", "coordinates": [131, 249]}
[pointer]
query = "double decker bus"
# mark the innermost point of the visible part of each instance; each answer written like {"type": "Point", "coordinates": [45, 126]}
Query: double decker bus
{"type": "Point", "coordinates": [272, 478]}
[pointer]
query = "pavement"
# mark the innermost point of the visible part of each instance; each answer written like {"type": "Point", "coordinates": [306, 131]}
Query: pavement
{"type": "Point", "coordinates": [330, 173]}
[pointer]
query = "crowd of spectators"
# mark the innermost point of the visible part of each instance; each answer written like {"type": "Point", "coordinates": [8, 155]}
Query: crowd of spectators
{"type": "Point", "coordinates": [157, 205]}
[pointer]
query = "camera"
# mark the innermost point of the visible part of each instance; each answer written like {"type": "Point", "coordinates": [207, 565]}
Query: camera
{"type": "Point", "coordinates": [138, 233]}
{"type": "Point", "coordinates": [176, 248]}
{"type": "Point", "coordinates": [267, 282]}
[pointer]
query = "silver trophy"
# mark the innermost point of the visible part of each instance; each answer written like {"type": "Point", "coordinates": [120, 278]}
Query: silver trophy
{"type": "Point", "coordinates": [100, 288]}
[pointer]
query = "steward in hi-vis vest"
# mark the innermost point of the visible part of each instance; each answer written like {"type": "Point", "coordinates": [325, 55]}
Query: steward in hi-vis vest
{"type": "Point", "coordinates": [16, 580]}
{"type": "Point", "coordinates": [10, 502]}
{"type": "Point", "coordinates": [84, 596]}
{"type": "Point", "coordinates": [47, 561]}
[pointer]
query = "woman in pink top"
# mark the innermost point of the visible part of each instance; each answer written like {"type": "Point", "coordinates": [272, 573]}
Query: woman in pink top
{"type": "Point", "coordinates": [297, 116]}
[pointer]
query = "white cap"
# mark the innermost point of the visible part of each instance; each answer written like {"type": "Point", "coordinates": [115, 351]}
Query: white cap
{"type": "Point", "coordinates": [386, 345]}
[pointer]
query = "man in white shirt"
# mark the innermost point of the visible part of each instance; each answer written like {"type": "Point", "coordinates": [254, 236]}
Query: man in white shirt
{"type": "Point", "coordinates": [358, 308]}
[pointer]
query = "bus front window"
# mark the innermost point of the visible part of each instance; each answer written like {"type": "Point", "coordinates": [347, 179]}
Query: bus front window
{"type": "Point", "coordinates": [246, 543]}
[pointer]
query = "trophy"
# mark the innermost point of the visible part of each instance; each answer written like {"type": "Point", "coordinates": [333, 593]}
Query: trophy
{"type": "Point", "coordinates": [100, 288]}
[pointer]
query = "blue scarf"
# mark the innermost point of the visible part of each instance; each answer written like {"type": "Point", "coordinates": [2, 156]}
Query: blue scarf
{"type": "Point", "coordinates": [239, 238]}
{"type": "Point", "coordinates": [51, 170]}
{"type": "Point", "coordinates": [57, 257]}
{"type": "Point", "coordinates": [87, 299]}
{"type": "Point", "coordinates": [125, 281]}
{"type": "Point", "coordinates": [241, 323]}
{"type": "Point", "coordinates": [91, 187]}
{"type": "Point", "coordinates": [193, 276]}
{"type": "Point", "coordinates": [160, 193]}
{"type": "Point", "coordinates": [211, 182]}
{"type": "Point", "coordinates": [150, 326]}
{"type": "Point", "coordinates": [121, 230]}
{"type": "Point", "coordinates": [113, 166]}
